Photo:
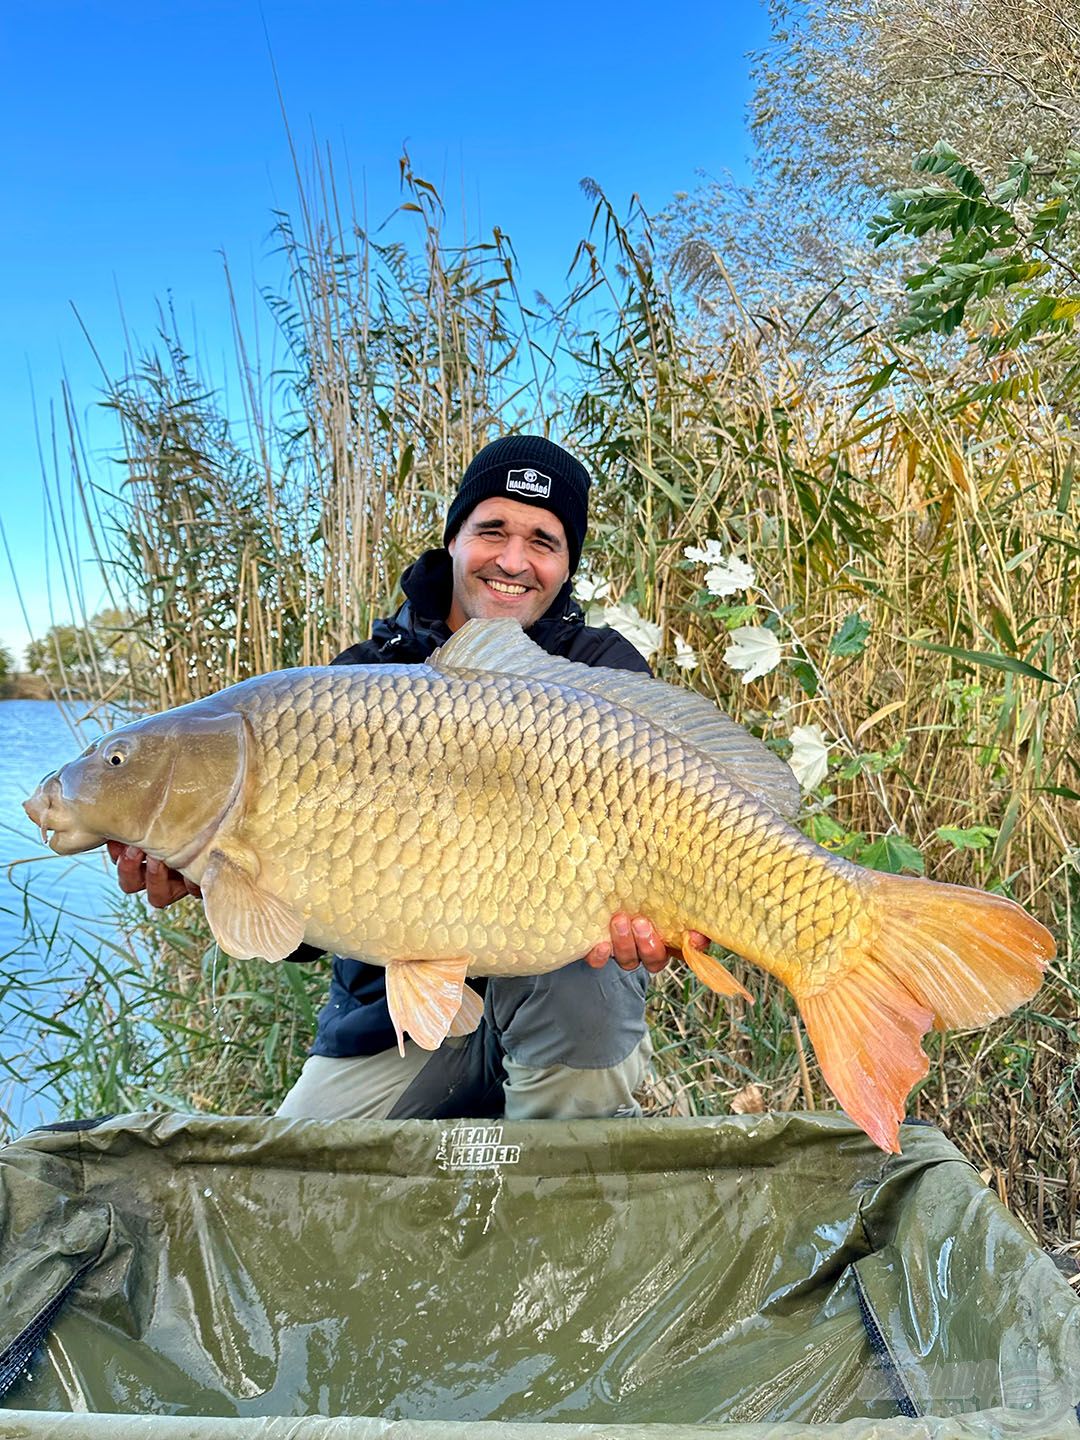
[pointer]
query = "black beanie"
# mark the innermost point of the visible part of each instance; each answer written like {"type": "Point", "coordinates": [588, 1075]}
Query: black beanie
{"type": "Point", "coordinates": [536, 472]}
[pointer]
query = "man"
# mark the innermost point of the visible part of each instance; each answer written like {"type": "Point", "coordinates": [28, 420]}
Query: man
{"type": "Point", "coordinates": [572, 1043]}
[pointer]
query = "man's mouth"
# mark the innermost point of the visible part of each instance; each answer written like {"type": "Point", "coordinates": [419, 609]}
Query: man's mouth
{"type": "Point", "coordinates": [502, 587]}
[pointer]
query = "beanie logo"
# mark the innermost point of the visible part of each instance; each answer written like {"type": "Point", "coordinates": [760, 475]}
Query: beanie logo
{"type": "Point", "coordinates": [528, 482]}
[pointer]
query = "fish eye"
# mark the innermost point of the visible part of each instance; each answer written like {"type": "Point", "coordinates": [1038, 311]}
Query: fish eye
{"type": "Point", "coordinates": [116, 753]}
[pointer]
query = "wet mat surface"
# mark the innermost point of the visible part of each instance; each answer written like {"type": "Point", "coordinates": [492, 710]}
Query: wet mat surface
{"type": "Point", "coordinates": [752, 1269]}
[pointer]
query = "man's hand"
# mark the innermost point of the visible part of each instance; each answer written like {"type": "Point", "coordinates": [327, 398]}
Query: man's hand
{"type": "Point", "coordinates": [135, 872]}
{"type": "Point", "coordinates": [635, 941]}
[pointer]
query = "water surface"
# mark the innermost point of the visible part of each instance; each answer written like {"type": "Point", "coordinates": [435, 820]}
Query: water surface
{"type": "Point", "coordinates": [49, 901]}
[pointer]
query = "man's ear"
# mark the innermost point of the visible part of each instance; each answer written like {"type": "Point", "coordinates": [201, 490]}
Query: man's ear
{"type": "Point", "coordinates": [451, 543]}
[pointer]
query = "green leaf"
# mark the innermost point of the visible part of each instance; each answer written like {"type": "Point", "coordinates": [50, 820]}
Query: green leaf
{"type": "Point", "coordinates": [878, 381]}
{"type": "Point", "coordinates": [893, 854]}
{"type": "Point", "coordinates": [976, 837]}
{"type": "Point", "coordinates": [943, 160]}
{"type": "Point", "coordinates": [988, 658]}
{"type": "Point", "coordinates": [850, 639]}
{"type": "Point", "coordinates": [805, 675]}
{"type": "Point", "coordinates": [1008, 825]}
{"type": "Point", "coordinates": [825, 830]}
{"type": "Point", "coordinates": [828, 833]}
{"type": "Point", "coordinates": [1065, 489]}
{"type": "Point", "coordinates": [872, 762]}
{"type": "Point", "coordinates": [735, 615]}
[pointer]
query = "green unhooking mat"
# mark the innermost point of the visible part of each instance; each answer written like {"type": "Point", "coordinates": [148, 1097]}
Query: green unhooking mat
{"type": "Point", "coordinates": [746, 1277]}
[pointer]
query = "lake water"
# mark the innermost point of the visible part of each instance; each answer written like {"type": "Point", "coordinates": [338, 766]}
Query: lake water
{"type": "Point", "coordinates": [71, 895]}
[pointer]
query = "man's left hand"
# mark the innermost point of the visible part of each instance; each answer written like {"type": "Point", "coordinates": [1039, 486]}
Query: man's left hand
{"type": "Point", "coordinates": [636, 941]}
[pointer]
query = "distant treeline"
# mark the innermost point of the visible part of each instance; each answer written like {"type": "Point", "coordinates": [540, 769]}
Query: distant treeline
{"type": "Point", "coordinates": [75, 662]}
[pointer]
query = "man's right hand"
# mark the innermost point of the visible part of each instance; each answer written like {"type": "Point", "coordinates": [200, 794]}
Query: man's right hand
{"type": "Point", "coordinates": [135, 872]}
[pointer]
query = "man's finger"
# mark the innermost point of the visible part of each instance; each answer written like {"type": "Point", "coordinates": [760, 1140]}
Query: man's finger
{"type": "Point", "coordinates": [597, 957]}
{"type": "Point", "coordinates": [163, 885]}
{"type": "Point", "coordinates": [652, 951]}
{"type": "Point", "coordinates": [131, 870]}
{"type": "Point", "coordinates": [650, 945]}
{"type": "Point", "coordinates": [624, 948]}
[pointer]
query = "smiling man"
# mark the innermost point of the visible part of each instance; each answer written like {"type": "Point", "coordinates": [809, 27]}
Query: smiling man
{"type": "Point", "coordinates": [571, 1043]}
{"type": "Point", "coordinates": [508, 560]}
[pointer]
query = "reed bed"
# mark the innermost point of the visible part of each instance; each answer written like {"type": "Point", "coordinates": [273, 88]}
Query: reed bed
{"type": "Point", "coordinates": [916, 559]}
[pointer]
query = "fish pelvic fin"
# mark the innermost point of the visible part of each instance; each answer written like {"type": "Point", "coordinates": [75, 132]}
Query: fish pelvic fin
{"type": "Point", "coordinates": [941, 956]}
{"type": "Point", "coordinates": [470, 1013]}
{"type": "Point", "coordinates": [247, 921]}
{"type": "Point", "coordinates": [426, 998]}
{"type": "Point", "coordinates": [710, 972]}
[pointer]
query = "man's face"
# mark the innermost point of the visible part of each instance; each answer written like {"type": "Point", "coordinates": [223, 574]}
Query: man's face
{"type": "Point", "coordinates": [510, 560]}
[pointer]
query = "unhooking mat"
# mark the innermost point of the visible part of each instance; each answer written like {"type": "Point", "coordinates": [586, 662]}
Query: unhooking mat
{"type": "Point", "coordinates": [750, 1276]}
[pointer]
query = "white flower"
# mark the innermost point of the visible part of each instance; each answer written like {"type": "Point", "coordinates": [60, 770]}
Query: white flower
{"type": "Point", "coordinates": [588, 590]}
{"type": "Point", "coordinates": [809, 755]}
{"type": "Point", "coordinates": [730, 575]}
{"type": "Point", "coordinates": [713, 553]}
{"type": "Point", "coordinates": [726, 573]}
{"type": "Point", "coordinates": [685, 657]}
{"type": "Point", "coordinates": [756, 650]}
{"type": "Point", "coordinates": [642, 633]}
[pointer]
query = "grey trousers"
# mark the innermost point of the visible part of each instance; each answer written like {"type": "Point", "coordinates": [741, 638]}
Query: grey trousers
{"type": "Point", "coordinates": [573, 1045]}
{"type": "Point", "coordinates": [367, 1087]}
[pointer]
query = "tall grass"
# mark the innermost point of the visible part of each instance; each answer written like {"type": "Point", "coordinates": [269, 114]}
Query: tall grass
{"type": "Point", "coordinates": [272, 536]}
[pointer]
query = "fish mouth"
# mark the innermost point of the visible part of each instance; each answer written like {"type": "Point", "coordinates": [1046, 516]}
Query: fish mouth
{"type": "Point", "coordinates": [49, 812]}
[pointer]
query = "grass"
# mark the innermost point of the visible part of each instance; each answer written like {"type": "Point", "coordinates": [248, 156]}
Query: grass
{"type": "Point", "coordinates": [238, 543]}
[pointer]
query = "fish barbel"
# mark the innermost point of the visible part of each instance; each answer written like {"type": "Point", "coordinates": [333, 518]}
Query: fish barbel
{"type": "Point", "coordinates": [486, 813]}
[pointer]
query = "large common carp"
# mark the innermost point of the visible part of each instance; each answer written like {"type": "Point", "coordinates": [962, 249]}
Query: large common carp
{"type": "Point", "coordinates": [487, 812]}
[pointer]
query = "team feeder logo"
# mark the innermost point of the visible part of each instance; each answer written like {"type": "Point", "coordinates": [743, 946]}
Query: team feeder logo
{"type": "Point", "coordinates": [528, 482]}
{"type": "Point", "coordinates": [475, 1147]}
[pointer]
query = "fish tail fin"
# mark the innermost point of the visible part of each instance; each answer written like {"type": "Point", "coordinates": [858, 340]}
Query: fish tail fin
{"type": "Point", "coordinates": [933, 955]}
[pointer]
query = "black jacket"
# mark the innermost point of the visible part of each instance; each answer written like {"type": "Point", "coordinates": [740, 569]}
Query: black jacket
{"type": "Point", "coordinates": [355, 1019]}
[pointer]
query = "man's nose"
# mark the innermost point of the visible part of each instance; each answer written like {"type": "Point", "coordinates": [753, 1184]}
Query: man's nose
{"type": "Point", "coordinates": [512, 555]}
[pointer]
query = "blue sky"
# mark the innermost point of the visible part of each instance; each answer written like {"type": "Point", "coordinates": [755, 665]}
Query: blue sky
{"type": "Point", "coordinates": [142, 140]}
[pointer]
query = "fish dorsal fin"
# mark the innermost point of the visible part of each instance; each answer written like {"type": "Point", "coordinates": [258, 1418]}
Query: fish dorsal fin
{"type": "Point", "coordinates": [502, 646]}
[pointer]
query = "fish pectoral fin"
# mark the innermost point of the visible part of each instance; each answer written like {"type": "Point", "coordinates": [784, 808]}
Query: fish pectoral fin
{"type": "Point", "coordinates": [470, 1013]}
{"type": "Point", "coordinates": [426, 997]}
{"type": "Point", "coordinates": [710, 972]}
{"type": "Point", "coordinates": [247, 921]}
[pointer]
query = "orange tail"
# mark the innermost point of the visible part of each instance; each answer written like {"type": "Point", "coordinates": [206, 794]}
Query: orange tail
{"type": "Point", "coordinates": [937, 955]}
